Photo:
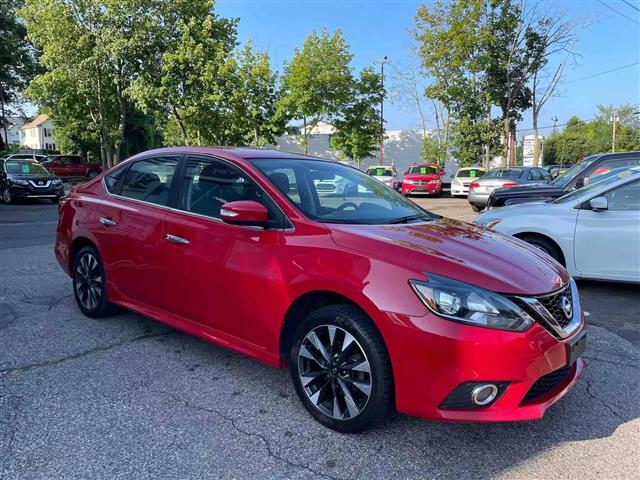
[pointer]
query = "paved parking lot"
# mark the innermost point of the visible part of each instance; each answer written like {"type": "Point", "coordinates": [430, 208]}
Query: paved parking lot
{"type": "Point", "coordinates": [126, 397]}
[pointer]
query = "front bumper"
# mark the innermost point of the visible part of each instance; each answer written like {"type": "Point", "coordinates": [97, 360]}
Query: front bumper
{"type": "Point", "coordinates": [24, 192]}
{"type": "Point", "coordinates": [429, 189]}
{"type": "Point", "coordinates": [431, 356]}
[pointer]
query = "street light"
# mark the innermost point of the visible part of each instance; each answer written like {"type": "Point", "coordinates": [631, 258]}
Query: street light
{"type": "Point", "coordinates": [382, 63]}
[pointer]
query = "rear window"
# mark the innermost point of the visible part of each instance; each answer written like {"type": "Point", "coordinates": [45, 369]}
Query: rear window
{"type": "Point", "coordinates": [504, 173]}
{"type": "Point", "coordinates": [422, 170]}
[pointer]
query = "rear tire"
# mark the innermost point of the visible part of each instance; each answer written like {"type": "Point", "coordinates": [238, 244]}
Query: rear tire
{"type": "Point", "coordinates": [93, 173]}
{"type": "Point", "coordinates": [547, 246]}
{"type": "Point", "coordinates": [475, 208]}
{"type": "Point", "coordinates": [340, 369]}
{"type": "Point", "coordinates": [90, 284]}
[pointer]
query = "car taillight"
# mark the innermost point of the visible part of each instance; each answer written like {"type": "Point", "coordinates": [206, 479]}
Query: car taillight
{"type": "Point", "coordinates": [510, 184]}
{"type": "Point", "coordinates": [474, 185]}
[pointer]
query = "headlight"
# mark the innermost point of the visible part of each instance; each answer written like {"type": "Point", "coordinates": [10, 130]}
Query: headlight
{"type": "Point", "coordinates": [56, 181]}
{"type": "Point", "coordinates": [410, 182]}
{"type": "Point", "coordinates": [17, 181]}
{"type": "Point", "coordinates": [468, 304]}
{"type": "Point", "coordinates": [456, 182]}
{"type": "Point", "coordinates": [488, 222]}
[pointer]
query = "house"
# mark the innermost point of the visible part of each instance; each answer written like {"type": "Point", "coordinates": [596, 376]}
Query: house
{"type": "Point", "coordinates": [14, 124]}
{"type": "Point", "coordinates": [38, 134]}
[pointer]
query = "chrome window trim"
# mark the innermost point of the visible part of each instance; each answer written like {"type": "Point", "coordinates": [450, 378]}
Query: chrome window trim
{"type": "Point", "coordinates": [214, 219]}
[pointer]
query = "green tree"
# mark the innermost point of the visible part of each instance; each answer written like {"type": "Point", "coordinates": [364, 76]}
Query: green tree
{"type": "Point", "coordinates": [318, 81]}
{"type": "Point", "coordinates": [254, 99]}
{"type": "Point", "coordinates": [17, 62]}
{"type": "Point", "coordinates": [358, 128]}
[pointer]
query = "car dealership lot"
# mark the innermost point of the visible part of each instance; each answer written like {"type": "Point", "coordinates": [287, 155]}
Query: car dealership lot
{"type": "Point", "coordinates": [127, 397]}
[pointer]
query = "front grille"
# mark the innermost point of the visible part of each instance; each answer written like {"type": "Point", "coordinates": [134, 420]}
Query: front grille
{"type": "Point", "coordinates": [547, 383]}
{"type": "Point", "coordinates": [325, 187]}
{"type": "Point", "coordinates": [553, 304]}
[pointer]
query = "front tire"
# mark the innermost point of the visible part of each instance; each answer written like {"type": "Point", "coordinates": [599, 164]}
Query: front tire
{"type": "Point", "coordinates": [340, 369]}
{"type": "Point", "coordinates": [547, 246]}
{"type": "Point", "coordinates": [90, 284]}
{"type": "Point", "coordinates": [6, 195]}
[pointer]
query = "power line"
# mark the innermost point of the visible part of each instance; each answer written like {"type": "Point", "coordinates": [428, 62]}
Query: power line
{"type": "Point", "coordinates": [631, 5]}
{"type": "Point", "coordinates": [600, 73]}
{"type": "Point", "coordinates": [618, 12]}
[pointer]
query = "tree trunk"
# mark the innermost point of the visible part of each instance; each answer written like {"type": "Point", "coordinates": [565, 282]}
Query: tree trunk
{"type": "Point", "coordinates": [183, 130]}
{"type": "Point", "coordinates": [4, 142]}
{"type": "Point", "coordinates": [305, 137]}
{"type": "Point", "coordinates": [121, 124]}
{"type": "Point", "coordinates": [506, 136]}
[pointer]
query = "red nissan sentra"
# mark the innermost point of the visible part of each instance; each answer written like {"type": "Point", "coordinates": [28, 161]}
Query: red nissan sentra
{"type": "Point", "coordinates": [372, 302]}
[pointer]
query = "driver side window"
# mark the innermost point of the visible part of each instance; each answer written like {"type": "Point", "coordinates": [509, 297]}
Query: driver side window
{"type": "Point", "coordinates": [625, 198]}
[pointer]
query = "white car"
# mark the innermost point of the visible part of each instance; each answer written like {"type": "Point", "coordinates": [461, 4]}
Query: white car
{"type": "Point", "coordinates": [593, 231]}
{"type": "Point", "coordinates": [463, 178]}
{"type": "Point", "coordinates": [387, 174]}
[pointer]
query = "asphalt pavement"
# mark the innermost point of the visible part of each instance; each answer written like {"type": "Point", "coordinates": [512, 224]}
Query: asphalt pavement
{"type": "Point", "coordinates": [126, 397]}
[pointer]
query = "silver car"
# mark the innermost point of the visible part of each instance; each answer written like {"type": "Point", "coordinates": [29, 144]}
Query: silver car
{"type": "Point", "coordinates": [480, 190]}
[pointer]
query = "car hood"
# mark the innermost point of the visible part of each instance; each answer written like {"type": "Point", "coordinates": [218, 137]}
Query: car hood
{"type": "Point", "coordinates": [421, 177]}
{"type": "Point", "coordinates": [464, 252]}
{"type": "Point", "coordinates": [31, 176]}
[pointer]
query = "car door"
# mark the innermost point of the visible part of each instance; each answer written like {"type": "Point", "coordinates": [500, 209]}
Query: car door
{"type": "Point", "coordinates": [606, 243]}
{"type": "Point", "coordinates": [128, 227]}
{"type": "Point", "coordinates": [222, 275]}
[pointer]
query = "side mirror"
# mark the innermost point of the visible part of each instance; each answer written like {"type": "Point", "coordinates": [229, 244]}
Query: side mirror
{"type": "Point", "coordinates": [244, 212]}
{"type": "Point", "coordinates": [581, 182]}
{"type": "Point", "coordinates": [599, 204]}
{"type": "Point", "coordinates": [442, 173]}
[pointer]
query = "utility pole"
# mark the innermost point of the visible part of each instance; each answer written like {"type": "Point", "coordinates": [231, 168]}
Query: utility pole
{"type": "Point", "coordinates": [614, 119]}
{"type": "Point", "coordinates": [382, 63]}
{"type": "Point", "coordinates": [555, 121]}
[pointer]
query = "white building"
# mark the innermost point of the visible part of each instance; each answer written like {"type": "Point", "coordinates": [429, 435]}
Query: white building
{"type": "Point", "coordinates": [38, 134]}
{"type": "Point", "coordinates": [14, 124]}
{"type": "Point", "coordinates": [527, 149]}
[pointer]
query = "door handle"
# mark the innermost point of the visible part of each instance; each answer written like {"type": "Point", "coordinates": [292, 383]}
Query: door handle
{"type": "Point", "coordinates": [176, 239]}
{"type": "Point", "coordinates": [106, 221]}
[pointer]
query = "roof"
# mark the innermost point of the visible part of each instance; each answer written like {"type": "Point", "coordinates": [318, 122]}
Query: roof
{"type": "Point", "coordinates": [40, 119]}
{"type": "Point", "coordinates": [237, 153]}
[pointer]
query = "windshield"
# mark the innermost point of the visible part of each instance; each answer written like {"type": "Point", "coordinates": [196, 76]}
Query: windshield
{"type": "Point", "coordinates": [470, 172]}
{"type": "Point", "coordinates": [380, 171]}
{"type": "Point", "coordinates": [567, 176]}
{"type": "Point", "coordinates": [331, 192]}
{"type": "Point", "coordinates": [422, 170]}
{"type": "Point", "coordinates": [504, 173]}
{"type": "Point", "coordinates": [617, 174]}
{"type": "Point", "coordinates": [21, 167]}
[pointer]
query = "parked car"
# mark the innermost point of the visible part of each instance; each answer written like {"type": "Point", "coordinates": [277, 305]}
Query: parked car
{"type": "Point", "coordinates": [26, 156]}
{"type": "Point", "coordinates": [71, 166]}
{"type": "Point", "coordinates": [576, 177]}
{"type": "Point", "coordinates": [594, 231]}
{"type": "Point", "coordinates": [387, 174]}
{"type": "Point", "coordinates": [27, 179]}
{"type": "Point", "coordinates": [423, 178]}
{"type": "Point", "coordinates": [465, 177]}
{"type": "Point", "coordinates": [371, 301]}
{"type": "Point", "coordinates": [481, 189]}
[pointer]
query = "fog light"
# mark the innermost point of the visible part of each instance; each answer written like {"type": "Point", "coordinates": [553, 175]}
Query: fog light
{"type": "Point", "coordinates": [484, 394]}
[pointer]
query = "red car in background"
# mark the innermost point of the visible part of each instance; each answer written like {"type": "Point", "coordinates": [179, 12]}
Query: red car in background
{"type": "Point", "coordinates": [423, 178]}
{"type": "Point", "coordinates": [372, 302]}
{"type": "Point", "coordinates": [71, 166]}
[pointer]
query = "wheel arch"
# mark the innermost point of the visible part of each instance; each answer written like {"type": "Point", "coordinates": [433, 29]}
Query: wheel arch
{"type": "Point", "coordinates": [78, 244]}
{"type": "Point", "coordinates": [522, 235]}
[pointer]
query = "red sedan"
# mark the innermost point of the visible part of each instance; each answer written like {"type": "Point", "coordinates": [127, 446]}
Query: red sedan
{"type": "Point", "coordinates": [371, 302]}
{"type": "Point", "coordinates": [423, 178]}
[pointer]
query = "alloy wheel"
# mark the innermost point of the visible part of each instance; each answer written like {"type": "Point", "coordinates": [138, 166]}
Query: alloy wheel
{"type": "Point", "coordinates": [335, 372]}
{"type": "Point", "coordinates": [89, 281]}
{"type": "Point", "coordinates": [6, 196]}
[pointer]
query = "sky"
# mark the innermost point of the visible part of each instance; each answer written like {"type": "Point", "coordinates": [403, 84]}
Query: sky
{"type": "Point", "coordinates": [608, 40]}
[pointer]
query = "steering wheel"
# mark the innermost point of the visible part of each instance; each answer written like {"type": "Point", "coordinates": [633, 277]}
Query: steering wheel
{"type": "Point", "coordinates": [347, 205]}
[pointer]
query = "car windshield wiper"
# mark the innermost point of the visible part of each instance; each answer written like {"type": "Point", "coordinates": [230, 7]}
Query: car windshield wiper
{"type": "Point", "coordinates": [409, 218]}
